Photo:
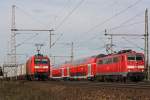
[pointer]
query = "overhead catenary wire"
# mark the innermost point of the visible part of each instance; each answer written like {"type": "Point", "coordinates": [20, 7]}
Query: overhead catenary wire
{"type": "Point", "coordinates": [127, 21]}
{"type": "Point", "coordinates": [96, 37]}
{"type": "Point", "coordinates": [27, 40]}
{"type": "Point", "coordinates": [134, 45]}
{"type": "Point", "coordinates": [34, 19]}
{"type": "Point", "coordinates": [29, 15]}
{"type": "Point", "coordinates": [69, 14]}
{"type": "Point", "coordinates": [123, 24]}
{"type": "Point", "coordinates": [130, 42]}
{"type": "Point", "coordinates": [66, 18]}
{"type": "Point", "coordinates": [115, 15]}
{"type": "Point", "coordinates": [64, 7]}
{"type": "Point", "coordinates": [57, 40]}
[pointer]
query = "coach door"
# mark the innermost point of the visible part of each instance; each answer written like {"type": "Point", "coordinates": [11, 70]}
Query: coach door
{"type": "Point", "coordinates": [89, 70]}
{"type": "Point", "coordinates": [67, 71]}
{"type": "Point", "coordinates": [51, 72]}
{"type": "Point", "coordinates": [62, 72]}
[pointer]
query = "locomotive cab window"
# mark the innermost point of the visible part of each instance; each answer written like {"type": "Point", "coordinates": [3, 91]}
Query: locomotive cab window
{"type": "Point", "coordinates": [44, 61]}
{"type": "Point", "coordinates": [139, 57]}
{"type": "Point", "coordinates": [41, 61]}
{"type": "Point", "coordinates": [37, 61]}
{"type": "Point", "coordinates": [131, 57]}
{"type": "Point", "coordinates": [135, 57]}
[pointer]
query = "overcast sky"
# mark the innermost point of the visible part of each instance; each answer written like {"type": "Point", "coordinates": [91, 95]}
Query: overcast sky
{"type": "Point", "coordinates": [80, 21]}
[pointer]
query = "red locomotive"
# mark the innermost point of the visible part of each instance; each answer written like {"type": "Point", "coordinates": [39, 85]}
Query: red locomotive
{"type": "Point", "coordinates": [122, 66]}
{"type": "Point", "coordinates": [38, 67]}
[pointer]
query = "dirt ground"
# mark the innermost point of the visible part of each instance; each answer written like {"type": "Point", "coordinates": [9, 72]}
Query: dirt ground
{"type": "Point", "coordinates": [31, 90]}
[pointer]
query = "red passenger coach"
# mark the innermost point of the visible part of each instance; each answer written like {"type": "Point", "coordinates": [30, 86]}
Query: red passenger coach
{"type": "Point", "coordinates": [124, 65]}
{"type": "Point", "coordinates": [56, 73]}
{"type": "Point", "coordinates": [76, 70]}
{"type": "Point", "coordinates": [61, 72]}
{"type": "Point", "coordinates": [83, 69]}
{"type": "Point", "coordinates": [38, 67]}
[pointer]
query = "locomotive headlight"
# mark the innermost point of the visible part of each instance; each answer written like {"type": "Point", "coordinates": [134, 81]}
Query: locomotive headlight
{"type": "Point", "coordinates": [36, 66]}
{"type": "Point", "coordinates": [140, 66]}
{"type": "Point", "coordinates": [45, 66]}
{"type": "Point", "coordinates": [131, 67]}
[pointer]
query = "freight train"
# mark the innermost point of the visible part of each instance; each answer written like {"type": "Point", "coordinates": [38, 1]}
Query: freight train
{"type": "Point", "coordinates": [37, 67]}
{"type": "Point", "coordinates": [122, 66]}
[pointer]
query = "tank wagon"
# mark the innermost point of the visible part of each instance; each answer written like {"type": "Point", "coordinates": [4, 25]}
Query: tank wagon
{"type": "Point", "coordinates": [121, 66]}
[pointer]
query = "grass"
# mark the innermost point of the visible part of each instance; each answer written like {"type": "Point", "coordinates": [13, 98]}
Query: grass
{"type": "Point", "coordinates": [15, 90]}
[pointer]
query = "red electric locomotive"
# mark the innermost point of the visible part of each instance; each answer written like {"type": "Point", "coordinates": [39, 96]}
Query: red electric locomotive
{"type": "Point", "coordinates": [38, 67]}
{"type": "Point", "coordinates": [126, 64]}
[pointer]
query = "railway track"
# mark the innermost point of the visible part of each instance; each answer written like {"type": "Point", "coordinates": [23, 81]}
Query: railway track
{"type": "Point", "coordinates": [142, 85]}
{"type": "Point", "coordinates": [118, 85]}
{"type": "Point", "coordinates": [86, 84]}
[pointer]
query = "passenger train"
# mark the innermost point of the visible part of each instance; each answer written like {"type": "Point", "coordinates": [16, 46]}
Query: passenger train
{"type": "Point", "coordinates": [122, 66]}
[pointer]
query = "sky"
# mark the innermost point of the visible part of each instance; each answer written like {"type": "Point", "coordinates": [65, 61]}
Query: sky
{"type": "Point", "coordinates": [82, 22]}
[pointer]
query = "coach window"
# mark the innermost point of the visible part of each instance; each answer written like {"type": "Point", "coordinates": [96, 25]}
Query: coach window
{"type": "Point", "coordinates": [100, 62]}
{"type": "Point", "coordinates": [109, 60]}
{"type": "Point", "coordinates": [115, 60]}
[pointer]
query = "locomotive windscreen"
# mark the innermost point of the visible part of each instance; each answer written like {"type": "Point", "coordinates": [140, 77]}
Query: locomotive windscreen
{"type": "Point", "coordinates": [41, 61]}
{"type": "Point", "coordinates": [135, 57]}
